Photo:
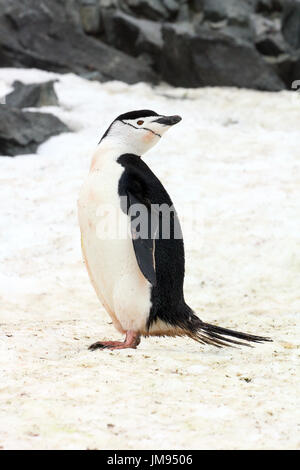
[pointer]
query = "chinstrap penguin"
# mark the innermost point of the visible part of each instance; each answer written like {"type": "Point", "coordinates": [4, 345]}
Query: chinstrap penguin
{"type": "Point", "coordinates": [139, 279]}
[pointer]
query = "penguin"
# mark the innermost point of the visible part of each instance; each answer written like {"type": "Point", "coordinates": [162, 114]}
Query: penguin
{"type": "Point", "coordinates": [138, 275]}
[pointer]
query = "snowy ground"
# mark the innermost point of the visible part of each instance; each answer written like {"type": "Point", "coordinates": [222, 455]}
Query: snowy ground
{"type": "Point", "coordinates": [235, 159]}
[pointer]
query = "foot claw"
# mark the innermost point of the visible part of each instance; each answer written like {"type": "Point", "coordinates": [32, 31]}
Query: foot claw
{"type": "Point", "coordinates": [104, 345]}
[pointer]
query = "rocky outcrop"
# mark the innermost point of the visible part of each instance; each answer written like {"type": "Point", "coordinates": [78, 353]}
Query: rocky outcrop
{"type": "Point", "coordinates": [33, 95]}
{"type": "Point", "coordinates": [48, 34]}
{"type": "Point", "coordinates": [249, 43]}
{"type": "Point", "coordinates": [22, 132]}
{"type": "Point", "coordinates": [214, 59]}
{"type": "Point", "coordinates": [291, 23]}
{"type": "Point", "coordinates": [137, 37]}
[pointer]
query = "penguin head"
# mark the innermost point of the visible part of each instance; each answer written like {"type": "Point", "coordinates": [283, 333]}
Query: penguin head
{"type": "Point", "coordinates": [138, 131]}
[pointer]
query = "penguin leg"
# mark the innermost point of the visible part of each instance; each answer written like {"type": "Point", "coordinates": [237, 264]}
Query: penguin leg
{"type": "Point", "coordinates": [132, 340]}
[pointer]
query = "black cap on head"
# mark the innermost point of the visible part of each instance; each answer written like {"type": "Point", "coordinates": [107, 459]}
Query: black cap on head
{"type": "Point", "coordinates": [136, 114]}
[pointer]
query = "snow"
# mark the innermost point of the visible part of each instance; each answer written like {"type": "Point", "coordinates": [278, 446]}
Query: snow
{"type": "Point", "coordinates": [232, 168]}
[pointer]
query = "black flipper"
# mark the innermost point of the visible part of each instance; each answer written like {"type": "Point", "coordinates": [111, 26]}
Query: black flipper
{"type": "Point", "coordinates": [144, 226]}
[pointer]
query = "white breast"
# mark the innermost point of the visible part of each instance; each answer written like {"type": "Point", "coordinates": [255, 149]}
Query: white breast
{"type": "Point", "coordinates": [107, 246]}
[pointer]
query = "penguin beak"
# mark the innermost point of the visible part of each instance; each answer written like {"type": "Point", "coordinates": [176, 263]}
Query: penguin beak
{"type": "Point", "coordinates": [168, 120]}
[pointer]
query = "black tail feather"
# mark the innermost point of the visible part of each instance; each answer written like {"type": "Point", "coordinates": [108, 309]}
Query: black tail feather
{"type": "Point", "coordinates": [236, 334]}
{"type": "Point", "coordinates": [218, 336]}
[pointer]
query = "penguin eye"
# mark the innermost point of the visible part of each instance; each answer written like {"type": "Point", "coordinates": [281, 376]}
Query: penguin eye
{"type": "Point", "coordinates": [140, 123]}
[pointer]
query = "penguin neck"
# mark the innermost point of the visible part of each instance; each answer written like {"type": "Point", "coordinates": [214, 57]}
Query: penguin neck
{"type": "Point", "coordinates": [109, 150]}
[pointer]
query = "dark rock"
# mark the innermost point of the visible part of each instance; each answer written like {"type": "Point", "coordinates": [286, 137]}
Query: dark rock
{"type": "Point", "coordinates": [210, 58]}
{"type": "Point", "coordinates": [237, 30]}
{"type": "Point", "coordinates": [184, 11]}
{"type": "Point", "coordinates": [90, 16]}
{"type": "Point", "coordinates": [234, 10]}
{"type": "Point", "coordinates": [33, 95]}
{"type": "Point", "coordinates": [48, 35]}
{"type": "Point", "coordinates": [22, 132]}
{"type": "Point", "coordinates": [197, 5]}
{"type": "Point", "coordinates": [261, 26]}
{"type": "Point", "coordinates": [295, 73]}
{"type": "Point", "coordinates": [150, 41]}
{"type": "Point", "coordinates": [269, 6]}
{"type": "Point", "coordinates": [291, 23]}
{"type": "Point", "coordinates": [271, 44]}
{"type": "Point", "coordinates": [109, 4]}
{"type": "Point", "coordinates": [286, 66]}
{"type": "Point", "coordinates": [121, 30]}
{"type": "Point", "coordinates": [172, 6]}
{"type": "Point", "coordinates": [267, 36]}
{"type": "Point", "coordinates": [177, 65]}
{"type": "Point", "coordinates": [150, 9]}
{"type": "Point", "coordinates": [134, 36]}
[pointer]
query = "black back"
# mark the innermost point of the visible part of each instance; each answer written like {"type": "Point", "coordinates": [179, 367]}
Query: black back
{"type": "Point", "coordinates": [139, 183]}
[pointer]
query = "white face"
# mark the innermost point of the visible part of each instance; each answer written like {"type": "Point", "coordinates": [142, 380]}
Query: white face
{"type": "Point", "coordinates": [140, 134]}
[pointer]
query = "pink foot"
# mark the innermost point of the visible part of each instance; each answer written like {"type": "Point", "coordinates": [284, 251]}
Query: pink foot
{"type": "Point", "coordinates": [132, 340]}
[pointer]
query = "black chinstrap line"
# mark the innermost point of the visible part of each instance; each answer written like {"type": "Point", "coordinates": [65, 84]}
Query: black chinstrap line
{"type": "Point", "coordinates": [141, 128]}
